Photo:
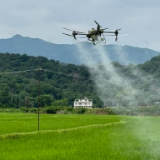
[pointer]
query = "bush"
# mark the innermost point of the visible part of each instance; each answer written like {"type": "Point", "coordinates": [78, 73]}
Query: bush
{"type": "Point", "coordinates": [24, 109]}
{"type": "Point", "coordinates": [61, 102]}
{"type": "Point", "coordinates": [1, 105]}
{"type": "Point", "coordinates": [109, 111]}
{"type": "Point", "coordinates": [69, 109]}
{"type": "Point", "coordinates": [33, 110]}
{"type": "Point", "coordinates": [80, 110]}
{"type": "Point", "coordinates": [53, 109]}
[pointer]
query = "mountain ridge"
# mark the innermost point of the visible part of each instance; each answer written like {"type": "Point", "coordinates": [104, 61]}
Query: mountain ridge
{"type": "Point", "coordinates": [67, 53]}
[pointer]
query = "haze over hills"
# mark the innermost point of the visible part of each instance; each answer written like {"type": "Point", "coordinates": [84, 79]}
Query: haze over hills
{"type": "Point", "coordinates": [69, 53]}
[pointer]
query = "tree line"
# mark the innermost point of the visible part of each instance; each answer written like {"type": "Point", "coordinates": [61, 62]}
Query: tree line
{"type": "Point", "coordinates": [61, 84]}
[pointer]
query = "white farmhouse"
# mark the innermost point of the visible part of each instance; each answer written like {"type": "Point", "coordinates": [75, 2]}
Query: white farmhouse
{"type": "Point", "coordinates": [83, 103]}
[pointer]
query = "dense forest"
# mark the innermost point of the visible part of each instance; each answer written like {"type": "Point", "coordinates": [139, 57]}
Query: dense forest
{"type": "Point", "coordinates": [60, 84]}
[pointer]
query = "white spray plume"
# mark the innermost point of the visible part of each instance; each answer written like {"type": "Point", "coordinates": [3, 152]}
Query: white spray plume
{"type": "Point", "coordinates": [114, 87]}
{"type": "Point", "coordinates": [105, 76]}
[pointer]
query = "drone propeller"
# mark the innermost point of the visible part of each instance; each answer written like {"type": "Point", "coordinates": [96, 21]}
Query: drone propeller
{"type": "Point", "coordinates": [116, 33]}
{"type": "Point", "coordinates": [123, 35]}
{"type": "Point", "coordinates": [104, 29]}
{"type": "Point", "coordinates": [97, 23]}
{"type": "Point", "coordinates": [73, 30]}
{"type": "Point", "coordinates": [68, 29]}
{"type": "Point", "coordinates": [118, 29]}
{"type": "Point", "coordinates": [74, 33]}
{"type": "Point", "coordinates": [99, 26]}
{"type": "Point", "coordinates": [67, 34]}
{"type": "Point", "coordinates": [113, 31]}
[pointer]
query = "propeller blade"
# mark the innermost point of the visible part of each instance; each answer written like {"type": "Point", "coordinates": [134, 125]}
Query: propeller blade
{"type": "Point", "coordinates": [73, 30]}
{"type": "Point", "coordinates": [104, 29]}
{"type": "Point", "coordinates": [68, 29]}
{"type": "Point", "coordinates": [113, 31]}
{"type": "Point", "coordinates": [123, 35]}
{"type": "Point", "coordinates": [118, 29]}
{"type": "Point", "coordinates": [97, 23]}
{"type": "Point", "coordinates": [67, 34]}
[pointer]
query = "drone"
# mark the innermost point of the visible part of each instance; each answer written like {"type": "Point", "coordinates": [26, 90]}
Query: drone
{"type": "Point", "coordinates": [94, 35]}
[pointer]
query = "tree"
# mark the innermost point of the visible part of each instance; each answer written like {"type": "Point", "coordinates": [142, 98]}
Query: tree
{"type": "Point", "coordinates": [45, 100]}
{"type": "Point", "coordinates": [62, 102]}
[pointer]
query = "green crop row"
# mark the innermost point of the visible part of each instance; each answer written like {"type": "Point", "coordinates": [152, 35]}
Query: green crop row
{"type": "Point", "coordinates": [70, 137]}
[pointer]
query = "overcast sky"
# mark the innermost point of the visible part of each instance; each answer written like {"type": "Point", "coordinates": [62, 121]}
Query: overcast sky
{"type": "Point", "coordinates": [45, 19]}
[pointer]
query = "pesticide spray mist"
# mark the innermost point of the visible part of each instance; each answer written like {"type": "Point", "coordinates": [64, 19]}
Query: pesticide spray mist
{"type": "Point", "coordinates": [116, 89]}
{"type": "Point", "coordinates": [111, 87]}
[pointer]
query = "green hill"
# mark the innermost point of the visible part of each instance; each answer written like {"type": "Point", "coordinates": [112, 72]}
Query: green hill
{"type": "Point", "coordinates": [70, 54]}
{"type": "Point", "coordinates": [57, 81]}
{"type": "Point", "coordinates": [61, 83]}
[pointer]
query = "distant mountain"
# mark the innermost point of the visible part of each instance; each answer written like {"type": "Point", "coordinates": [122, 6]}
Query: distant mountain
{"type": "Point", "coordinates": [69, 53]}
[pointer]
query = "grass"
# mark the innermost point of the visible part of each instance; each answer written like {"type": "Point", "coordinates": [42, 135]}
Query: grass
{"type": "Point", "coordinates": [65, 137]}
{"type": "Point", "coordinates": [20, 122]}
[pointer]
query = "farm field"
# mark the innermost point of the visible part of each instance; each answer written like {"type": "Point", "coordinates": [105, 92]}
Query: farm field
{"type": "Point", "coordinates": [77, 137]}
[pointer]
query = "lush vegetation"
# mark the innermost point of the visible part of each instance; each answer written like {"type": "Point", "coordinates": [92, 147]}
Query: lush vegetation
{"type": "Point", "coordinates": [67, 133]}
{"type": "Point", "coordinates": [77, 137]}
{"type": "Point", "coordinates": [132, 111]}
{"type": "Point", "coordinates": [23, 122]}
{"type": "Point", "coordinates": [61, 84]}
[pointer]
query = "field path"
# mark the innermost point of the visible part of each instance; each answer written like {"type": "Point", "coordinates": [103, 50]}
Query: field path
{"type": "Point", "coordinates": [16, 135]}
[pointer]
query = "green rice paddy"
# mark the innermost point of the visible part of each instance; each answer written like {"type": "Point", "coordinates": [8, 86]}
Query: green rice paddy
{"type": "Point", "coordinates": [79, 137]}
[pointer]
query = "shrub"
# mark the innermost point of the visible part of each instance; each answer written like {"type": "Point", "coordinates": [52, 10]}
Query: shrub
{"type": "Point", "coordinates": [33, 110]}
{"type": "Point", "coordinates": [70, 109]}
{"type": "Point", "coordinates": [1, 105]}
{"type": "Point", "coordinates": [24, 109]}
{"type": "Point", "coordinates": [109, 111]}
{"type": "Point", "coordinates": [53, 109]}
{"type": "Point", "coordinates": [80, 110]}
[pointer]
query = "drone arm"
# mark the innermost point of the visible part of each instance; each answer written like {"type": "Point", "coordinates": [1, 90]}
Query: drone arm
{"type": "Point", "coordinates": [74, 36]}
{"type": "Point", "coordinates": [108, 32]}
{"type": "Point", "coordinates": [81, 34]}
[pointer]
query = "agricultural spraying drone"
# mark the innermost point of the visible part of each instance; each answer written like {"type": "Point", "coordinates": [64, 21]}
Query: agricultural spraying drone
{"type": "Point", "coordinates": [94, 35]}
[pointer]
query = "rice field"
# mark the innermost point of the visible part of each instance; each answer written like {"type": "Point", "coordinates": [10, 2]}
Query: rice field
{"type": "Point", "coordinates": [77, 137]}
